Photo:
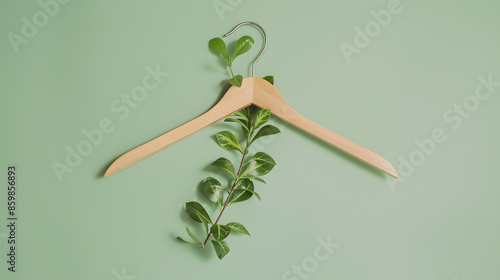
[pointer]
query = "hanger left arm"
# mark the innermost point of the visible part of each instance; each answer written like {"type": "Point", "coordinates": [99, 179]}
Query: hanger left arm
{"type": "Point", "coordinates": [234, 100]}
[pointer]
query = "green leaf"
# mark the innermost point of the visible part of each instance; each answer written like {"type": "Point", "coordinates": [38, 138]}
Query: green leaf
{"type": "Point", "coordinates": [242, 122]}
{"type": "Point", "coordinates": [247, 111]}
{"type": "Point", "coordinates": [264, 163]}
{"type": "Point", "coordinates": [190, 242]}
{"type": "Point", "coordinates": [265, 131]}
{"type": "Point", "coordinates": [253, 177]}
{"type": "Point", "coordinates": [241, 113]}
{"type": "Point", "coordinates": [212, 188]}
{"type": "Point", "coordinates": [238, 227]}
{"type": "Point", "coordinates": [195, 239]}
{"type": "Point", "coordinates": [198, 213]}
{"type": "Point", "coordinates": [219, 46]}
{"type": "Point", "coordinates": [220, 231]}
{"type": "Point", "coordinates": [240, 195]}
{"type": "Point", "coordinates": [221, 248]}
{"type": "Point", "coordinates": [269, 79]}
{"type": "Point", "coordinates": [254, 193]}
{"type": "Point", "coordinates": [225, 165]}
{"type": "Point", "coordinates": [236, 81]}
{"type": "Point", "coordinates": [243, 45]}
{"type": "Point", "coordinates": [260, 117]}
{"type": "Point", "coordinates": [228, 141]}
{"type": "Point", "coordinates": [243, 192]}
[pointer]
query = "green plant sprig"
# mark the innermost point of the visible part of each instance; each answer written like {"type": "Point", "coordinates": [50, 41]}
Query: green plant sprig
{"type": "Point", "coordinates": [243, 45]}
{"type": "Point", "coordinates": [252, 122]}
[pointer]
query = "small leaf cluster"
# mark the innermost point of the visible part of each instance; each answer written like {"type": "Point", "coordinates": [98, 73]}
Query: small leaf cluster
{"type": "Point", "coordinates": [243, 45]}
{"type": "Point", "coordinates": [252, 122]}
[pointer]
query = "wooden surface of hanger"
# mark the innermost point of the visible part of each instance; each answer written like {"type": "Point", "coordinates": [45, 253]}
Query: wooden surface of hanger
{"type": "Point", "coordinates": [260, 93]}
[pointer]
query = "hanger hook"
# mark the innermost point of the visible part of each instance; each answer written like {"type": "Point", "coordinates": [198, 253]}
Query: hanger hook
{"type": "Point", "coordinates": [265, 41]}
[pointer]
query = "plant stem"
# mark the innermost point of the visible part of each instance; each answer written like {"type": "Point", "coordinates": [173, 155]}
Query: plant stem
{"type": "Point", "coordinates": [231, 69]}
{"type": "Point", "coordinates": [245, 152]}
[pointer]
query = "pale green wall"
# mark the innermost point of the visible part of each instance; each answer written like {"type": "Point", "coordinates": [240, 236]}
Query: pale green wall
{"type": "Point", "coordinates": [439, 221]}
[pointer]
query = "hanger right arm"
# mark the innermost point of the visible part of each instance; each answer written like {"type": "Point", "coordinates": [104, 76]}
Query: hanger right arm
{"type": "Point", "coordinates": [338, 141]}
{"type": "Point", "coordinates": [267, 96]}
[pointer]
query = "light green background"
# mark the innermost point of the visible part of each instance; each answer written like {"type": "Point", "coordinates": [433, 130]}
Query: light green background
{"type": "Point", "coordinates": [439, 222]}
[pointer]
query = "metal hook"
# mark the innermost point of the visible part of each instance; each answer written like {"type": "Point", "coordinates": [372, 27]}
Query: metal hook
{"type": "Point", "coordinates": [265, 41]}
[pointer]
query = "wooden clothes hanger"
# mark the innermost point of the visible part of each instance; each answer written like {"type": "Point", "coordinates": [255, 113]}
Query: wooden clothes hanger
{"type": "Point", "coordinates": [260, 93]}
